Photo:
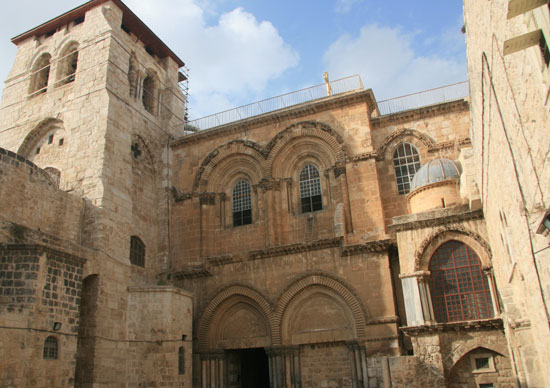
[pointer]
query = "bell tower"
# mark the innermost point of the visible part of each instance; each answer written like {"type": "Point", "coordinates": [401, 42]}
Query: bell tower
{"type": "Point", "coordinates": [93, 99]}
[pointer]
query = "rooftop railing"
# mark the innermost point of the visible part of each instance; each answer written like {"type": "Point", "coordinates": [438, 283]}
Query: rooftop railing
{"type": "Point", "coordinates": [343, 85]}
{"type": "Point", "coordinates": [447, 93]}
{"type": "Point", "coordinates": [440, 95]}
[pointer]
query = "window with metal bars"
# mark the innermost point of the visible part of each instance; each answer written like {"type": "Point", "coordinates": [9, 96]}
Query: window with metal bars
{"type": "Point", "coordinates": [310, 189]}
{"type": "Point", "coordinates": [40, 74]}
{"type": "Point", "coordinates": [50, 349]}
{"type": "Point", "coordinates": [406, 162]}
{"type": "Point", "coordinates": [460, 290]}
{"type": "Point", "coordinates": [137, 251]}
{"type": "Point", "coordinates": [242, 204]}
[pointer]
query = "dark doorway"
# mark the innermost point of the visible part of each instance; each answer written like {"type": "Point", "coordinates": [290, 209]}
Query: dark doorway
{"type": "Point", "coordinates": [247, 368]}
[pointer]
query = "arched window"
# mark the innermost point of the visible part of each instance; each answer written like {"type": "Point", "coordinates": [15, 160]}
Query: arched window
{"type": "Point", "coordinates": [310, 189]}
{"type": "Point", "coordinates": [149, 94]}
{"type": "Point", "coordinates": [40, 74]}
{"type": "Point", "coordinates": [242, 204]}
{"type": "Point", "coordinates": [50, 349]}
{"type": "Point", "coordinates": [68, 64]}
{"type": "Point", "coordinates": [460, 290]}
{"type": "Point", "coordinates": [406, 162]}
{"type": "Point", "coordinates": [137, 251]}
{"type": "Point", "coordinates": [181, 361]}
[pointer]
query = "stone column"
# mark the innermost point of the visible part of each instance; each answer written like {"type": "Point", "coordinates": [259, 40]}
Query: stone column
{"type": "Point", "coordinates": [425, 296]}
{"type": "Point", "coordinates": [340, 172]}
{"type": "Point", "coordinates": [284, 367]}
{"type": "Point", "coordinates": [360, 378]}
{"type": "Point", "coordinates": [212, 372]}
{"type": "Point", "coordinates": [488, 271]}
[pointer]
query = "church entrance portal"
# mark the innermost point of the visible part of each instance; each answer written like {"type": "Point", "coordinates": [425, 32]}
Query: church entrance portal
{"type": "Point", "coordinates": [247, 368]}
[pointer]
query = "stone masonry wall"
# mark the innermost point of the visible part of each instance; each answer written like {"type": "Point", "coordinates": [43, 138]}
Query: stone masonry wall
{"type": "Point", "coordinates": [509, 111]}
{"type": "Point", "coordinates": [38, 287]}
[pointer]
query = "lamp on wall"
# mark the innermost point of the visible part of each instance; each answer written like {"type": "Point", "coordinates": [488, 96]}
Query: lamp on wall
{"type": "Point", "coordinates": [56, 326]}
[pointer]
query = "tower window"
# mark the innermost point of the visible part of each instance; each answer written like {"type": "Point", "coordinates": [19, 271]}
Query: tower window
{"type": "Point", "coordinates": [40, 75]}
{"type": "Point", "coordinates": [68, 64]}
{"type": "Point", "coordinates": [406, 162]}
{"type": "Point", "coordinates": [50, 139]}
{"type": "Point", "coordinates": [310, 189]}
{"type": "Point", "coordinates": [137, 251]}
{"type": "Point", "coordinates": [460, 290]}
{"type": "Point", "coordinates": [242, 204]}
{"type": "Point", "coordinates": [50, 349]}
{"type": "Point", "coordinates": [149, 94]}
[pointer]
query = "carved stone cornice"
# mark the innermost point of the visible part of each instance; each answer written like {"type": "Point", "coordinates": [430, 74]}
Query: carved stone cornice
{"type": "Point", "coordinates": [517, 324]}
{"type": "Point", "coordinates": [463, 326]}
{"type": "Point", "coordinates": [434, 218]}
{"type": "Point", "coordinates": [192, 272]}
{"type": "Point", "coordinates": [382, 339]}
{"type": "Point", "coordinates": [363, 156]}
{"type": "Point", "coordinates": [295, 248]}
{"type": "Point", "coordinates": [179, 197]}
{"type": "Point", "coordinates": [371, 246]}
{"type": "Point", "coordinates": [268, 184]}
{"type": "Point", "coordinates": [217, 261]}
{"type": "Point", "coordinates": [419, 113]}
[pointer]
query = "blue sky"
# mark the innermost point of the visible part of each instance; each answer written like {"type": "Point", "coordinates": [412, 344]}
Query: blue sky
{"type": "Point", "coordinates": [241, 51]}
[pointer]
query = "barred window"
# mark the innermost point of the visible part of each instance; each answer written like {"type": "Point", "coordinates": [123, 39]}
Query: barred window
{"type": "Point", "coordinates": [181, 361]}
{"type": "Point", "coordinates": [242, 204]}
{"type": "Point", "coordinates": [460, 290]}
{"type": "Point", "coordinates": [310, 189]}
{"type": "Point", "coordinates": [137, 251]}
{"type": "Point", "coordinates": [50, 348]}
{"type": "Point", "coordinates": [406, 162]}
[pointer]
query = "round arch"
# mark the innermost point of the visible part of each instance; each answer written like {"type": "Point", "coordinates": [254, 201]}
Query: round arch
{"type": "Point", "coordinates": [384, 152]}
{"type": "Point", "coordinates": [335, 287]}
{"type": "Point", "coordinates": [440, 236]}
{"type": "Point", "coordinates": [210, 166]}
{"type": "Point", "coordinates": [468, 347]}
{"type": "Point", "coordinates": [221, 307]}
{"type": "Point", "coordinates": [36, 134]}
{"type": "Point", "coordinates": [306, 137]}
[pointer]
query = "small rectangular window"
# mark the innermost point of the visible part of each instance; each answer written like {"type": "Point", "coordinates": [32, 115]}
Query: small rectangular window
{"type": "Point", "coordinates": [61, 141]}
{"type": "Point", "coordinates": [487, 385]}
{"type": "Point", "coordinates": [50, 139]}
{"type": "Point", "coordinates": [37, 151]}
{"type": "Point", "coordinates": [125, 29]}
{"type": "Point", "coordinates": [482, 363]}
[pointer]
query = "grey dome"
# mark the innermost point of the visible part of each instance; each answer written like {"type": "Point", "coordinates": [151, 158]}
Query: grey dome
{"type": "Point", "coordinates": [436, 170]}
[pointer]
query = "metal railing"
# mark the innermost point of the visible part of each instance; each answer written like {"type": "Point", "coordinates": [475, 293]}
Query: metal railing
{"type": "Point", "coordinates": [275, 103]}
{"type": "Point", "coordinates": [428, 97]}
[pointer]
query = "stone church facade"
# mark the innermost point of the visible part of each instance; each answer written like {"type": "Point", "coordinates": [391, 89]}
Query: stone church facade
{"type": "Point", "coordinates": [325, 244]}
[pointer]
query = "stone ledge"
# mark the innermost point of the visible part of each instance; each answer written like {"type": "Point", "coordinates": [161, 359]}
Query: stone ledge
{"type": "Point", "coordinates": [474, 325]}
{"type": "Point", "coordinates": [295, 248]}
{"type": "Point", "coordinates": [434, 218]}
{"type": "Point", "coordinates": [371, 246]}
{"type": "Point", "coordinates": [418, 113]}
{"type": "Point", "coordinates": [157, 288]}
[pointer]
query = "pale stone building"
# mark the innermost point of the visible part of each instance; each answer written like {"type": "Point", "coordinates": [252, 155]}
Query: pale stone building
{"type": "Point", "coordinates": [335, 241]}
{"type": "Point", "coordinates": [508, 59]}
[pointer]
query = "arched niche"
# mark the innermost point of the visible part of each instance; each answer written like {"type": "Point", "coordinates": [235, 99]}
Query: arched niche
{"type": "Point", "coordinates": [239, 324]}
{"type": "Point", "coordinates": [299, 298]}
{"type": "Point", "coordinates": [317, 314]}
{"type": "Point", "coordinates": [236, 305]}
{"type": "Point", "coordinates": [440, 236]}
{"type": "Point", "coordinates": [41, 134]}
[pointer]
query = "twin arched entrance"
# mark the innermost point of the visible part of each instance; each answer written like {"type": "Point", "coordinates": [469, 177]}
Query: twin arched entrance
{"type": "Point", "coordinates": [245, 341]}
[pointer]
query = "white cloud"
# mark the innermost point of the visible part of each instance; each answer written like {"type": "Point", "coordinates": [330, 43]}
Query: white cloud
{"type": "Point", "coordinates": [387, 62]}
{"type": "Point", "coordinates": [344, 6]}
{"type": "Point", "coordinates": [229, 61]}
